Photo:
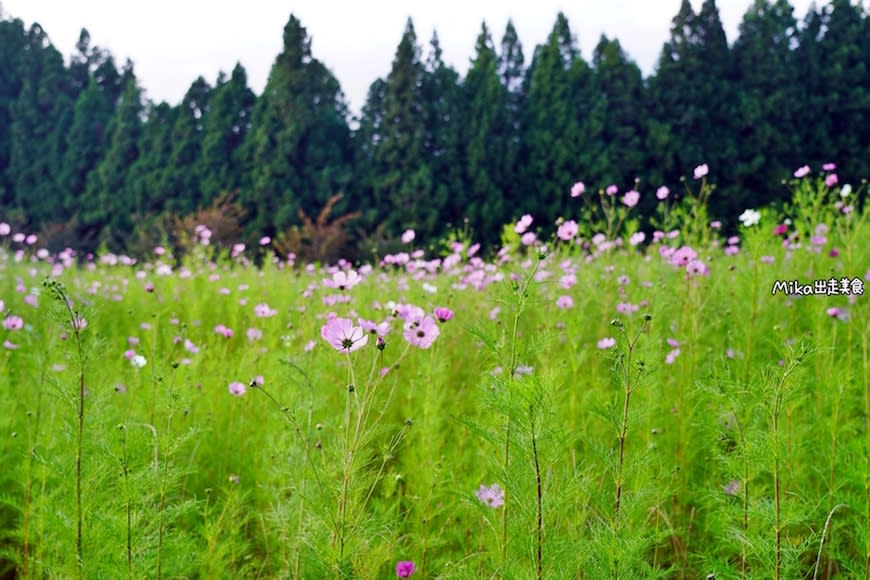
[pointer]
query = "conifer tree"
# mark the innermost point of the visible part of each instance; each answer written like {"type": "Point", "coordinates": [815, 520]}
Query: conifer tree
{"type": "Point", "coordinates": [620, 83]}
{"type": "Point", "coordinates": [558, 109]}
{"type": "Point", "coordinates": [487, 135]}
{"type": "Point", "coordinates": [442, 96]}
{"type": "Point", "coordinates": [108, 203]}
{"type": "Point", "coordinates": [512, 73]}
{"type": "Point", "coordinates": [180, 182]}
{"type": "Point", "coordinates": [770, 108]}
{"type": "Point", "coordinates": [839, 90]}
{"type": "Point", "coordinates": [39, 116]}
{"type": "Point", "coordinates": [13, 39]}
{"type": "Point", "coordinates": [145, 175]}
{"type": "Point", "coordinates": [225, 128]}
{"type": "Point", "coordinates": [299, 152]}
{"type": "Point", "coordinates": [402, 185]}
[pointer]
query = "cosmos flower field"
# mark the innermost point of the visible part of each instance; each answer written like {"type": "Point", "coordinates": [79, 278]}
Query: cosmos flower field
{"type": "Point", "coordinates": [589, 401]}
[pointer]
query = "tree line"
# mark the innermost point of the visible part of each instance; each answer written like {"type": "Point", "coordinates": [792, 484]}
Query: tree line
{"type": "Point", "coordinates": [86, 160]}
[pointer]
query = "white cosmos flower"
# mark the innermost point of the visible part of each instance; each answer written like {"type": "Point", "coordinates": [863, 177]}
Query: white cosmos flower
{"type": "Point", "coordinates": [138, 361]}
{"type": "Point", "coordinates": [750, 217]}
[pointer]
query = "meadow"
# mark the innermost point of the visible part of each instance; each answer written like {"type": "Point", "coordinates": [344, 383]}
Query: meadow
{"type": "Point", "coordinates": [590, 401]}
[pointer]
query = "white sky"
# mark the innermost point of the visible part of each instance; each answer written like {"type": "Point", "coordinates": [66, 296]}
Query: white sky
{"type": "Point", "coordinates": [171, 42]}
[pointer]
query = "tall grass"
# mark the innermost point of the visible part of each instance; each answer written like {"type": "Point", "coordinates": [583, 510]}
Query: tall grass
{"type": "Point", "coordinates": [593, 409]}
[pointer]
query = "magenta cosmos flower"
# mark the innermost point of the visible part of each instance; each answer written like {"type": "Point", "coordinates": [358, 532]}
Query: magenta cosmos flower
{"type": "Point", "coordinates": [405, 568]}
{"type": "Point", "coordinates": [343, 335]}
{"type": "Point", "coordinates": [443, 314]}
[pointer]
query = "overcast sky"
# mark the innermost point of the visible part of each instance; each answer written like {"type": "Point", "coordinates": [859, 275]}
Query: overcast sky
{"type": "Point", "coordinates": [171, 42]}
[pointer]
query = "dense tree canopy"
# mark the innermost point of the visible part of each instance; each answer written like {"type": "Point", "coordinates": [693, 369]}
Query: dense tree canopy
{"type": "Point", "coordinates": [81, 150]}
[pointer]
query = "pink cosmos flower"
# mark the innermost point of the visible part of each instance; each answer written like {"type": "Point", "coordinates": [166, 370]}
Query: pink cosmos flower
{"type": "Point", "coordinates": [13, 323]}
{"type": "Point", "coordinates": [405, 568]}
{"type": "Point", "coordinates": [443, 314]}
{"type": "Point", "coordinates": [238, 389]}
{"type": "Point", "coordinates": [780, 230]}
{"type": "Point", "coordinates": [673, 343]}
{"type": "Point", "coordinates": [564, 302]}
{"type": "Point", "coordinates": [716, 224]}
{"type": "Point", "coordinates": [831, 180]}
{"type": "Point", "coordinates": [408, 236]}
{"type": "Point", "coordinates": [343, 280]}
{"type": "Point", "coordinates": [492, 496]}
{"type": "Point", "coordinates": [528, 238]}
{"type": "Point", "coordinates": [5, 229]}
{"type": "Point", "coordinates": [422, 335]}
{"type": "Point", "coordinates": [672, 356]}
{"type": "Point", "coordinates": [265, 241]}
{"type": "Point", "coordinates": [833, 312]}
{"type": "Point", "coordinates": [264, 311]}
{"type": "Point", "coordinates": [767, 259]}
{"type": "Point", "coordinates": [697, 268]}
{"type": "Point", "coordinates": [732, 250]}
{"type": "Point", "coordinates": [523, 224]}
{"type": "Point", "coordinates": [343, 336]}
{"type": "Point", "coordinates": [254, 334]}
{"type": "Point", "coordinates": [683, 256]}
{"type": "Point", "coordinates": [372, 327]}
{"type": "Point", "coordinates": [567, 230]}
{"type": "Point", "coordinates": [223, 331]}
{"type": "Point", "coordinates": [662, 193]}
{"type": "Point", "coordinates": [636, 238]}
{"type": "Point", "coordinates": [631, 198]}
{"type": "Point", "coordinates": [607, 342]}
{"type": "Point", "coordinates": [9, 345]}
{"type": "Point", "coordinates": [578, 189]}
{"type": "Point", "coordinates": [80, 323]}
{"type": "Point", "coordinates": [802, 171]}
{"type": "Point", "coordinates": [701, 171]}
{"type": "Point", "coordinates": [611, 189]}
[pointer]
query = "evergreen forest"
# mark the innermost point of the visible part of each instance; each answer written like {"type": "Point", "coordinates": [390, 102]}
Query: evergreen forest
{"type": "Point", "coordinates": [87, 162]}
